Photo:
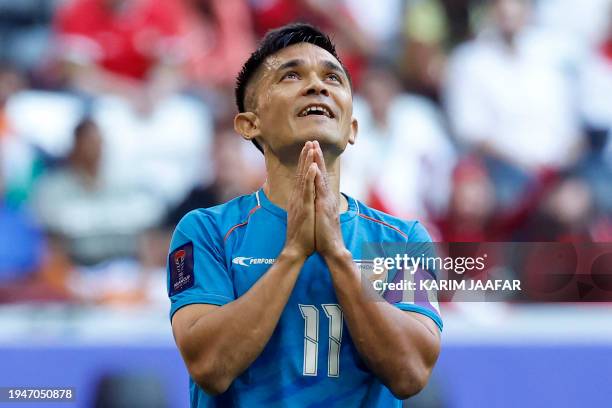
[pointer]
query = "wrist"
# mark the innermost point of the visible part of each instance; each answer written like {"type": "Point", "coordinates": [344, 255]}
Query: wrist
{"type": "Point", "coordinates": [337, 254]}
{"type": "Point", "coordinates": [292, 254]}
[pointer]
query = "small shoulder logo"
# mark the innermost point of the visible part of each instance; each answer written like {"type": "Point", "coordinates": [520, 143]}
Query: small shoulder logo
{"type": "Point", "coordinates": [181, 269]}
{"type": "Point", "coordinates": [249, 260]}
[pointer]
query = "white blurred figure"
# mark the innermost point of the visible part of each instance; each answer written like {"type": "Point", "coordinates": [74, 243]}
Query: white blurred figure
{"type": "Point", "coordinates": [381, 21]}
{"type": "Point", "coordinates": [595, 96]}
{"type": "Point", "coordinates": [127, 57]}
{"type": "Point", "coordinates": [581, 21]}
{"type": "Point", "coordinates": [95, 220]}
{"type": "Point", "coordinates": [509, 92]}
{"type": "Point", "coordinates": [164, 153]}
{"type": "Point", "coordinates": [595, 101]}
{"type": "Point", "coordinates": [402, 159]}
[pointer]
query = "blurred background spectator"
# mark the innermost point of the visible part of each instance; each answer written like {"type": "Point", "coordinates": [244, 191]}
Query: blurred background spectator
{"type": "Point", "coordinates": [238, 170]}
{"type": "Point", "coordinates": [129, 47]}
{"type": "Point", "coordinates": [509, 96]}
{"type": "Point", "coordinates": [73, 203]}
{"type": "Point", "coordinates": [402, 149]}
{"type": "Point", "coordinates": [218, 37]}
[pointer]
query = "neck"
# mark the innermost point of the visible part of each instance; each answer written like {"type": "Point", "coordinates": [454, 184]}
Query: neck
{"type": "Point", "coordinates": [281, 180]}
{"type": "Point", "coordinates": [509, 39]}
{"type": "Point", "coordinates": [87, 170]}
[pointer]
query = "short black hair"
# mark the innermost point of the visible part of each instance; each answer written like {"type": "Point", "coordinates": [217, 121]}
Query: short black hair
{"type": "Point", "coordinates": [274, 41]}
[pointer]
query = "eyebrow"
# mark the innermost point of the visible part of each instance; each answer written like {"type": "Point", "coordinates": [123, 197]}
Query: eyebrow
{"type": "Point", "coordinates": [332, 66]}
{"type": "Point", "coordinates": [297, 62]}
{"type": "Point", "coordinates": [291, 64]}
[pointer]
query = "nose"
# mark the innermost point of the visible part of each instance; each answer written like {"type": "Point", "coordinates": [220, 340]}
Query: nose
{"type": "Point", "coordinates": [316, 87]}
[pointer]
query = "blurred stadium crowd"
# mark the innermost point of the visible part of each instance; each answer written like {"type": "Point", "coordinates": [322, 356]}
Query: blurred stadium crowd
{"type": "Point", "coordinates": [486, 120]}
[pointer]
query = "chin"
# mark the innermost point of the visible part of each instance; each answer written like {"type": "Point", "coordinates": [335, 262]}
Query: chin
{"type": "Point", "coordinates": [330, 140]}
{"type": "Point", "coordinates": [325, 138]}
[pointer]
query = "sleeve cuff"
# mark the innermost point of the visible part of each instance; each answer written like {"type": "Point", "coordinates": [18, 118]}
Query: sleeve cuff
{"type": "Point", "coordinates": [208, 298]}
{"type": "Point", "coordinates": [408, 307]}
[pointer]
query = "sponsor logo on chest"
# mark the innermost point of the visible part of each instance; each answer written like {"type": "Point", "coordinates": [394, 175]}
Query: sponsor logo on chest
{"type": "Point", "coordinates": [249, 260]}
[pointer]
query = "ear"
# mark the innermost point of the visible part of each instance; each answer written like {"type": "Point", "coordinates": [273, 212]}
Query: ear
{"type": "Point", "coordinates": [354, 129]}
{"type": "Point", "coordinates": [247, 125]}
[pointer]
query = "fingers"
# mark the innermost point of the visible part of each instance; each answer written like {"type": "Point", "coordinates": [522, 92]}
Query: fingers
{"type": "Point", "coordinates": [306, 158]}
{"type": "Point", "coordinates": [311, 171]}
{"type": "Point", "coordinates": [308, 162]}
{"type": "Point", "coordinates": [300, 170]}
{"type": "Point", "coordinates": [319, 158]}
{"type": "Point", "coordinates": [309, 187]}
{"type": "Point", "coordinates": [319, 183]}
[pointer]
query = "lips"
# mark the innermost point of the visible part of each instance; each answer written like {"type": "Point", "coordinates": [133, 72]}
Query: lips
{"type": "Point", "coordinates": [316, 109]}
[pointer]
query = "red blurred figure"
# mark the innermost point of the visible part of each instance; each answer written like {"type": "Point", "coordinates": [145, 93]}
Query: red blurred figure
{"type": "Point", "coordinates": [117, 46]}
{"type": "Point", "coordinates": [218, 37]}
{"type": "Point", "coordinates": [472, 205]}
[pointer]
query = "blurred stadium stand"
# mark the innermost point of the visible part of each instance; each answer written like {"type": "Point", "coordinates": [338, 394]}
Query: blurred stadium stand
{"type": "Point", "coordinates": [486, 120]}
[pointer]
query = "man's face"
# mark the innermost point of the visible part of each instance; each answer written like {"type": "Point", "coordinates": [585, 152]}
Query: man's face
{"type": "Point", "coordinates": [511, 15]}
{"type": "Point", "coordinates": [302, 93]}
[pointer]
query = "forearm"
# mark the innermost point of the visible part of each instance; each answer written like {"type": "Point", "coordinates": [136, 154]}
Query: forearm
{"type": "Point", "coordinates": [396, 345]}
{"type": "Point", "coordinates": [220, 345]}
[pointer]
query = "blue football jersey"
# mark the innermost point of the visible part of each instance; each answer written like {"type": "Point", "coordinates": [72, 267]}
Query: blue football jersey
{"type": "Point", "coordinates": [218, 253]}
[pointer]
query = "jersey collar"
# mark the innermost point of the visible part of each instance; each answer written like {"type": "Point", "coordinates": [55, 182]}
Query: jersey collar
{"type": "Point", "coordinates": [262, 199]}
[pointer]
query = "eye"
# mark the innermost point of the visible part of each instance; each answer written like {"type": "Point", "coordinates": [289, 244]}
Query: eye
{"type": "Point", "coordinates": [291, 75]}
{"type": "Point", "coordinates": [334, 77]}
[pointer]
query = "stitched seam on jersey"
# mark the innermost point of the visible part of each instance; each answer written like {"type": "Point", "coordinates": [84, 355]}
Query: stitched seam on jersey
{"type": "Point", "coordinates": [383, 223]}
{"type": "Point", "coordinates": [412, 229]}
{"type": "Point", "coordinates": [242, 223]}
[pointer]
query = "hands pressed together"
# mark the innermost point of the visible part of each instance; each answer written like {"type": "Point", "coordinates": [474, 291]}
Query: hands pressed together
{"type": "Point", "coordinates": [313, 219]}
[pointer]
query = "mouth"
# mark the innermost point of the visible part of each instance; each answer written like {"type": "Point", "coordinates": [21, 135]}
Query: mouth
{"type": "Point", "coordinates": [318, 109]}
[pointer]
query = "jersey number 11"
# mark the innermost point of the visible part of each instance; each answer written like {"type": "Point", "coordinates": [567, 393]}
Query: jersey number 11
{"type": "Point", "coordinates": [310, 313]}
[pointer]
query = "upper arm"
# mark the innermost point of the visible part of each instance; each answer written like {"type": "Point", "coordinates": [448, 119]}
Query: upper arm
{"type": "Point", "coordinates": [430, 325]}
{"type": "Point", "coordinates": [429, 338]}
{"type": "Point", "coordinates": [197, 271]}
{"type": "Point", "coordinates": [423, 299]}
{"type": "Point", "coordinates": [185, 318]}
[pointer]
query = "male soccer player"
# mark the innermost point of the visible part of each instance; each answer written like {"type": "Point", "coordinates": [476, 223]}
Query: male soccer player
{"type": "Point", "coordinates": [268, 305]}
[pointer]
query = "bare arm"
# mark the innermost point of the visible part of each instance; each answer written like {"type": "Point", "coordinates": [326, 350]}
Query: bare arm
{"type": "Point", "coordinates": [400, 347]}
{"type": "Point", "coordinates": [219, 343]}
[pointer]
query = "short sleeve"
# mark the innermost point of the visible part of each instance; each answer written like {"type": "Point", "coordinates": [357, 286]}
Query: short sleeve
{"type": "Point", "coordinates": [196, 268]}
{"type": "Point", "coordinates": [423, 298]}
